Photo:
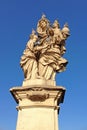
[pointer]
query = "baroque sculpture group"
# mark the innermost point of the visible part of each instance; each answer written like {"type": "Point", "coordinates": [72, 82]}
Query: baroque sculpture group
{"type": "Point", "coordinates": [43, 55]}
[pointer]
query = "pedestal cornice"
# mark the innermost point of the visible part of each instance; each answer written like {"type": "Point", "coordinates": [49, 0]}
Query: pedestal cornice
{"type": "Point", "coordinates": [36, 93]}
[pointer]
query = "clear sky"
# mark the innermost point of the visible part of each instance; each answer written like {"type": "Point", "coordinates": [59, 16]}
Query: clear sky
{"type": "Point", "coordinates": [17, 18]}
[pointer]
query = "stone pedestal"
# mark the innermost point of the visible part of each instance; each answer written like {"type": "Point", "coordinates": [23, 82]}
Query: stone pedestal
{"type": "Point", "coordinates": [38, 106]}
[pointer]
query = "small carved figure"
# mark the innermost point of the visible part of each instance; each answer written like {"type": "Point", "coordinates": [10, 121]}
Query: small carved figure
{"type": "Point", "coordinates": [57, 32]}
{"type": "Point", "coordinates": [28, 60]}
{"type": "Point", "coordinates": [65, 31]}
{"type": "Point", "coordinates": [42, 26]}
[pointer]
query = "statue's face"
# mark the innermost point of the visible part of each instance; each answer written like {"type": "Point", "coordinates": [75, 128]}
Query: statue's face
{"type": "Point", "coordinates": [35, 38]}
{"type": "Point", "coordinates": [55, 25]}
{"type": "Point", "coordinates": [65, 35]}
{"type": "Point", "coordinates": [43, 24]}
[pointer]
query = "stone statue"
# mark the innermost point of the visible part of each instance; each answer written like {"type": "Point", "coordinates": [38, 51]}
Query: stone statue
{"type": "Point", "coordinates": [28, 60]}
{"type": "Point", "coordinates": [43, 56]}
{"type": "Point", "coordinates": [42, 26]}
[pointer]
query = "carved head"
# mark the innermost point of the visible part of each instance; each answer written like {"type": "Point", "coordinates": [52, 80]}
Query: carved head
{"type": "Point", "coordinates": [56, 24]}
{"type": "Point", "coordinates": [65, 31]}
{"type": "Point", "coordinates": [43, 22]}
{"type": "Point", "coordinates": [33, 36]}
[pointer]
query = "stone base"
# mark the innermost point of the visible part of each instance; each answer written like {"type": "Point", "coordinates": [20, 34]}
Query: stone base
{"type": "Point", "coordinates": [38, 82]}
{"type": "Point", "coordinates": [38, 106]}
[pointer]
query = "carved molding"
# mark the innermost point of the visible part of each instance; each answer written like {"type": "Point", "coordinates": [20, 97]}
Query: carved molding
{"type": "Point", "coordinates": [36, 89]}
{"type": "Point", "coordinates": [37, 96]}
{"type": "Point", "coordinates": [38, 93]}
{"type": "Point", "coordinates": [38, 106]}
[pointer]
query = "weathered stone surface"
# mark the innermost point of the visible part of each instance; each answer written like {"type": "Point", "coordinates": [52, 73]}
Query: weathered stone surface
{"type": "Point", "coordinates": [38, 106]}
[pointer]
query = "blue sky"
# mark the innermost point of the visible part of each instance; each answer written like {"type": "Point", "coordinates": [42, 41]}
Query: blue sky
{"type": "Point", "coordinates": [17, 18]}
